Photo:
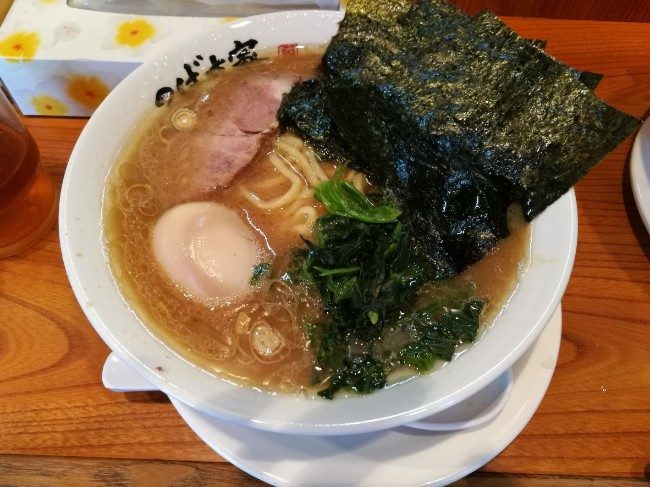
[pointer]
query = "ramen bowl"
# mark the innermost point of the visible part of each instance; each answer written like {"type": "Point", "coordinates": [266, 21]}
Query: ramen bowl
{"type": "Point", "coordinates": [516, 328]}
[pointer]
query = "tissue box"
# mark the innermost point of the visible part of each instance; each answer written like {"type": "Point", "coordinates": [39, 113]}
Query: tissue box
{"type": "Point", "coordinates": [63, 61]}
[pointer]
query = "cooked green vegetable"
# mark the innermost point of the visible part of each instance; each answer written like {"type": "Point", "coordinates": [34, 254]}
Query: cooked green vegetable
{"type": "Point", "coordinates": [346, 357]}
{"type": "Point", "coordinates": [259, 272]}
{"type": "Point", "coordinates": [439, 336]}
{"type": "Point", "coordinates": [341, 198]}
{"type": "Point", "coordinates": [368, 276]}
{"type": "Point", "coordinates": [371, 266]}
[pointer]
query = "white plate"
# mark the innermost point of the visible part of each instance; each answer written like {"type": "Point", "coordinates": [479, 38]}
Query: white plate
{"type": "Point", "coordinates": [538, 294]}
{"type": "Point", "coordinates": [476, 410]}
{"type": "Point", "coordinates": [640, 172]}
{"type": "Point", "coordinates": [400, 456]}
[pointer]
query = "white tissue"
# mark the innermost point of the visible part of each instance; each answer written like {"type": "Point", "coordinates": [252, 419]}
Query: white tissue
{"type": "Point", "coordinates": [214, 8]}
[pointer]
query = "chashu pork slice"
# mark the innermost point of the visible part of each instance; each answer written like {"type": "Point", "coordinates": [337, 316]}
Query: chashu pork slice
{"type": "Point", "coordinates": [234, 122]}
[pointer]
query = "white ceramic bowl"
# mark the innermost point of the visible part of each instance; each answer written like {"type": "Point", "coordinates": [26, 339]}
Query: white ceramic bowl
{"type": "Point", "coordinates": [539, 293]}
{"type": "Point", "coordinates": [640, 172]}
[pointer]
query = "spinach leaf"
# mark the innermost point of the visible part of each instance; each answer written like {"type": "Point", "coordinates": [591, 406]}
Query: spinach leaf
{"type": "Point", "coordinates": [372, 267]}
{"type": "Point", "coordinates": [368, 276]}
{"type": "Point", "coordinates": [429, 334]}
{"type": "Point", "coordinates": [438, 338]}
{"type": "Point", "coordinates": [343, 271]}
{"type": "Point", "coordinates": [342, 198]}
{"type": "Point", "coordinates": [362, 374]}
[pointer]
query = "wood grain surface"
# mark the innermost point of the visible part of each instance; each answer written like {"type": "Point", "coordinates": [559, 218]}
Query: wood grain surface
{"type": "Point", "coordinates": [593, 422]}
{"type": "Point", "coordinates": [40, 471]}
{"type": "Point", "coordinates": [625, 10]}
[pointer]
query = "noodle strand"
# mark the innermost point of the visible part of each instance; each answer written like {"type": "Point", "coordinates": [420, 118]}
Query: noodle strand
{"type": "Point", "coordinates": [280, 201]}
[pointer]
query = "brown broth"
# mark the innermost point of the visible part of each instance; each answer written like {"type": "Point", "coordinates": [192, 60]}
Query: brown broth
{"type": "Point", "coordinates": [141, 187]}
{"type": "Point", "coordinates": [495, 277]}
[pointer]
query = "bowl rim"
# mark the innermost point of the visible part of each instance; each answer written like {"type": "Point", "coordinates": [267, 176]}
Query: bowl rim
{"type": "Point", "coordinates": [81, 277]}
{"type": "Point", "coordinates": [640, 171]}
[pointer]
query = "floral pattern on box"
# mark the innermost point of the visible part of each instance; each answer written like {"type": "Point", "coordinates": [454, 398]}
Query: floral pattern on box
{"type": "Point", "coordinates": [62, 61]}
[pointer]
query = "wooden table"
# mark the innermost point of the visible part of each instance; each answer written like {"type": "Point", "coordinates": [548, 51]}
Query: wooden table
{"type": "Point", "coordinates": [58, 425]}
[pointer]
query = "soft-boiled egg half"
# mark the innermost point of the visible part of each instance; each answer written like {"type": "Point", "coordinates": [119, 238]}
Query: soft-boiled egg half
{"type": "Point", "coordinates": [207, 250]}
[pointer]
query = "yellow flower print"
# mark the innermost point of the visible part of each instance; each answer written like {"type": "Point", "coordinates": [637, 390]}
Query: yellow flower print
{"type": "Point", "coordinates": [88, 91]}
{"type": "Point", "coordinates": [48, 105]}
{"type": "Point", "coordinates": [19, 46]}
{"type": "Point", "coordinates": [134, 33]}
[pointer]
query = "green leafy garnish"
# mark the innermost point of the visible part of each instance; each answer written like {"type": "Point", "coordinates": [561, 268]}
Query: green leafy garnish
{"type": "Point", "coordinates": [418, 340]}
{"type": "Point", "coordinates": [342, 271]}
{"type": "Point", "coordinates": [342, 198]}
{"type": "Point", "coordinates": [438, 337]}
{"type": "Point", "coordinates": [368, 276]}
{"type": "Point", "coordinates": [259, 272]}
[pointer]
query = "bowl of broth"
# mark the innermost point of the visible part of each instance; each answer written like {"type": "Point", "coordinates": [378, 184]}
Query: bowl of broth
{"type": "Point", "coordinates": [190, 222]}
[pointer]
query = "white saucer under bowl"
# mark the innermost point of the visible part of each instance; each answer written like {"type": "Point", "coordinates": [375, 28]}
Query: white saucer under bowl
{"type": "Point", "coordinates": [400, 456]}
{"type": "Point", "coordinates": [640, 172]}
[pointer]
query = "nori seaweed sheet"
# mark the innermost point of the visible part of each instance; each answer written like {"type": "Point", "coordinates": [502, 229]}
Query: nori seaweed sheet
{"type": "Point", "coordinates": [538, 43]}
{"type": "Point", "coordinates": [587, 78]}
{"type": "Point", "coordinates": [457, 117]}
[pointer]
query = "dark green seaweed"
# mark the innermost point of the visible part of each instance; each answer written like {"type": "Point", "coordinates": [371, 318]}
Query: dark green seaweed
{"type": "Point", "coordinates": [304, 109]}
{"type": "Point", "coordinates": [457, 117]}
{"type": "Point", "coordinates": [589, 79]}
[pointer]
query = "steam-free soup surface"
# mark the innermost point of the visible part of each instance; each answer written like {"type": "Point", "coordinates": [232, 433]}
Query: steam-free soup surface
{"type": "Point", "coordinates": [228, 337]}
